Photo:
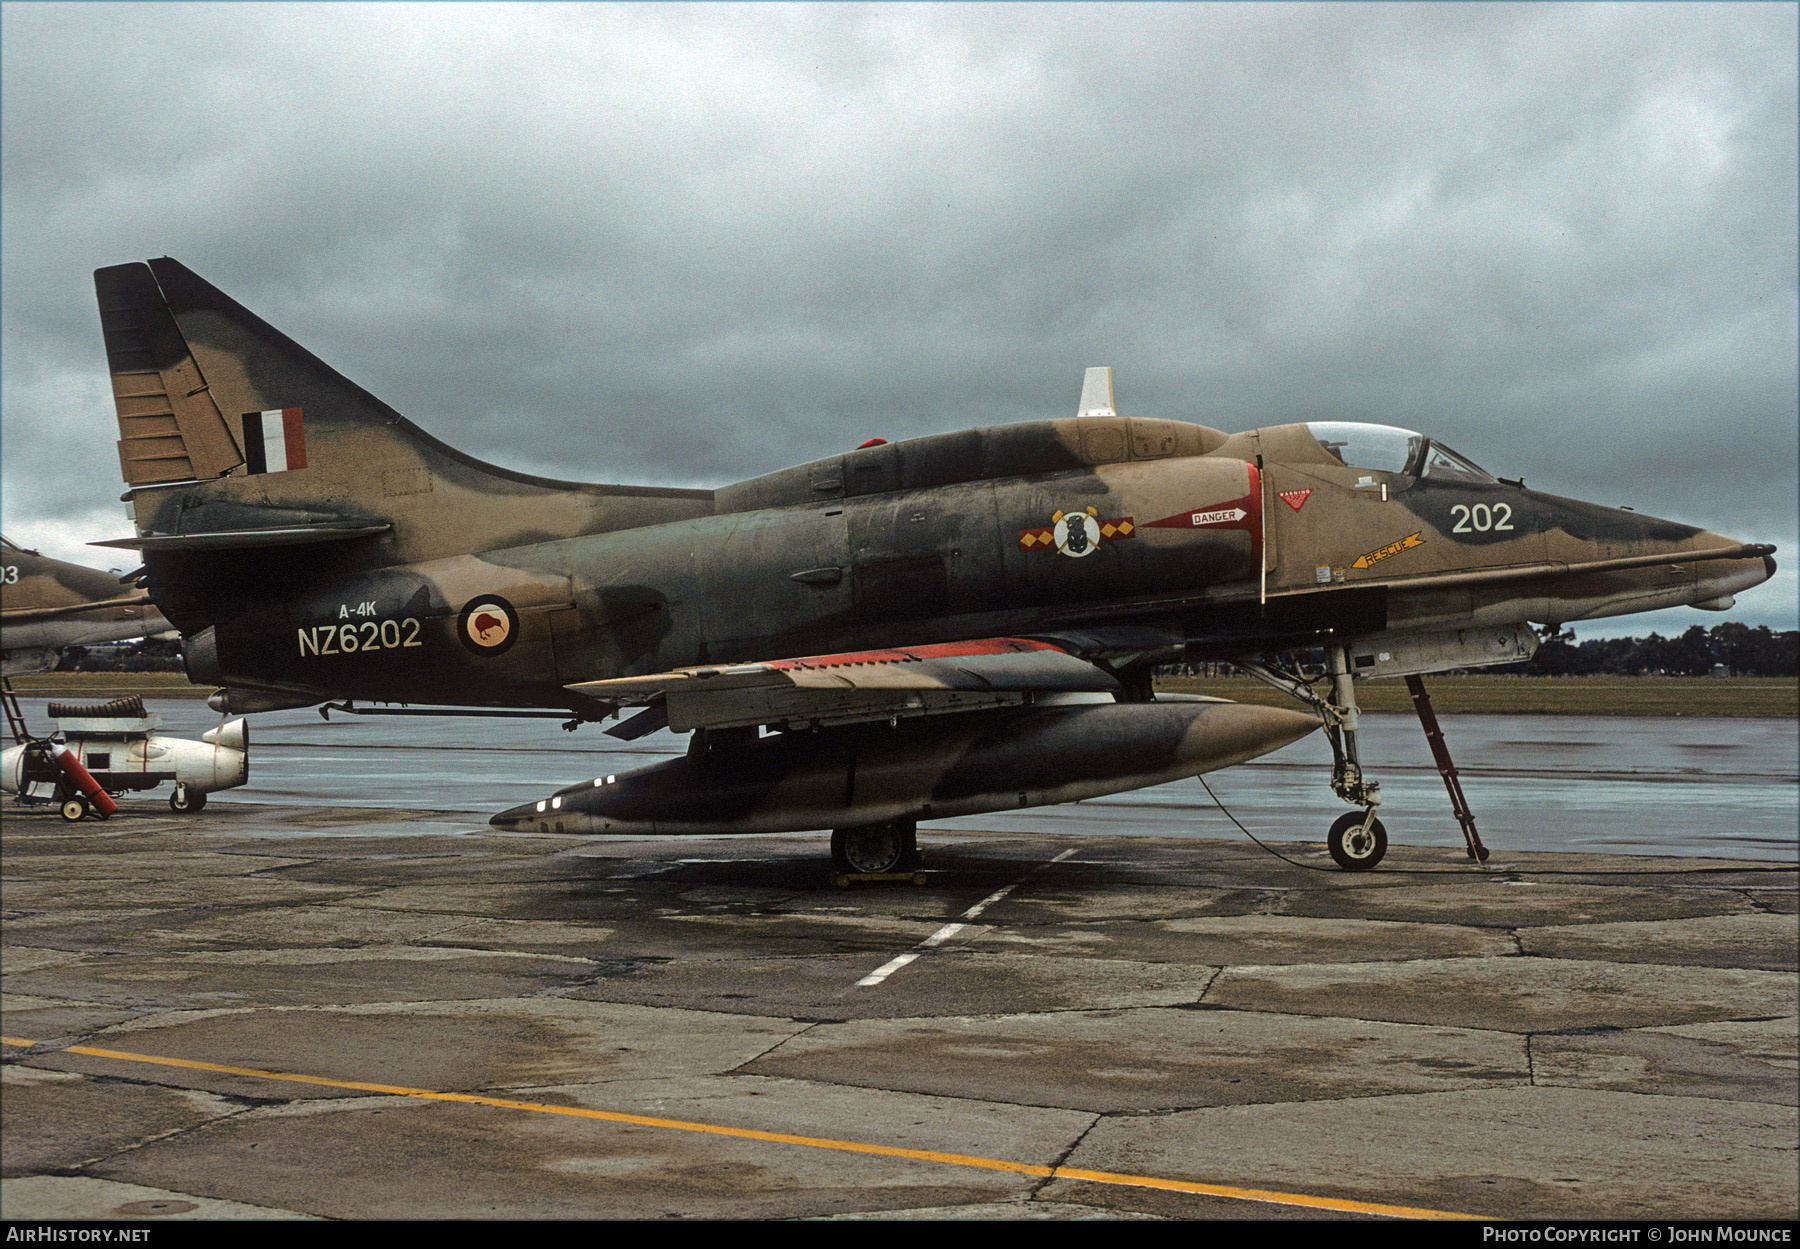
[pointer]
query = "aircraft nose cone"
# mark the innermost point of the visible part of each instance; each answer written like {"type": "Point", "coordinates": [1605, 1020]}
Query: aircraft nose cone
{"type": "Point", "coordinates": [1717, 580]}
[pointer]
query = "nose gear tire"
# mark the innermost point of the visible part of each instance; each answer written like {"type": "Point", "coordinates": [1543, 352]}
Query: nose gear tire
{"type": "Point", "coordinates": [1351, 848]}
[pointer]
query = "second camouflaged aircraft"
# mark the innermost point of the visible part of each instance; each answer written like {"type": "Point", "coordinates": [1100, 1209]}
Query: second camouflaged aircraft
{"type": "Point", "coordinates": [960, 623]}
{"type": "Point", "coordinates": [47, 606]}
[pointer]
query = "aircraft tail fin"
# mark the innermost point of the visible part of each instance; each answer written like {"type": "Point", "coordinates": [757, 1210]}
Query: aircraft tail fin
{"type": "Point", "coordinates": [269, 440]}
{"type": "Point", "coordinates": [204, 387]}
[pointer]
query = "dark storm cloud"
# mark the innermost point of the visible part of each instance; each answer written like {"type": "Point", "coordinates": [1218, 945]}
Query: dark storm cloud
{"type": "Point", "coordinates": [692, 243]}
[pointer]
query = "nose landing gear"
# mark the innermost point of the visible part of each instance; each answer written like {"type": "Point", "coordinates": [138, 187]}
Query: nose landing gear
{"type": "Point", "coordinates": [1357, 841]}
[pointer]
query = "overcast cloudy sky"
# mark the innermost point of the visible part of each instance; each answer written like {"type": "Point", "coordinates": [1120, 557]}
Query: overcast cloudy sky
{"type": "Point", "coordinates": [691, 243]}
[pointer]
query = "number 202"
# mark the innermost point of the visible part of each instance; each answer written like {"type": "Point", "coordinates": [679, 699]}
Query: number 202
{"type": "Point", "coordinates": [1481, 518]}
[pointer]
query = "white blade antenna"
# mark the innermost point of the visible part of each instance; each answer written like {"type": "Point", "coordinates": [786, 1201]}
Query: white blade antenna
{"type": "Point", "coordinates": [1096, 393]}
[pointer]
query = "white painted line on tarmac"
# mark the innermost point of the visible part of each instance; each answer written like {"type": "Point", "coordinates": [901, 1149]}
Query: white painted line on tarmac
{"type": "Point", "coordinates": [885, 970]}
{"type": "Point", "coordinates": [950, 930]}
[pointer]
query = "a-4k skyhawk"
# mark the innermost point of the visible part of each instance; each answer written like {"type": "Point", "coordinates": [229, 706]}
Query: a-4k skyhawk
{"type": "Point", "coordinates": [960, 623]}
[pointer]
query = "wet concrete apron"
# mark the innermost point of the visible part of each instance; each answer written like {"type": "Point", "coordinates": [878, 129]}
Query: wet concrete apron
{"type": "Point", "coordinates": [652, 1029]}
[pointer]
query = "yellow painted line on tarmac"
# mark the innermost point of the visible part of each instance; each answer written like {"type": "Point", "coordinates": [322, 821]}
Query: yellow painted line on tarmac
{"type": "Point", "coordinates": [782, 1138]}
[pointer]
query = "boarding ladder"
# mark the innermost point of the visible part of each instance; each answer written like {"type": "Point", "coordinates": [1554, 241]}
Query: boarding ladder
{"type": "Point", "coordinates": [1434, 736]}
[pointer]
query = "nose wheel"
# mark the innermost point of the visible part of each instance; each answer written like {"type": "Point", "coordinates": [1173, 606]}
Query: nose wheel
{"type": "Point", "coordinates": [1357, 841]}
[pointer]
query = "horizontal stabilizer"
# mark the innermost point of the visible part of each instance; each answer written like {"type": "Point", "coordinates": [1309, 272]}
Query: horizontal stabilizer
{"type": "Point", "coordinates": [232, 539]}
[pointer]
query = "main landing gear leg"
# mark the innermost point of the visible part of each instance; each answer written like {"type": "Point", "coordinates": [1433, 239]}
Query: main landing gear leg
{"type": "Point", "coordinates": [1434, 736]}
{"type": "Point", "coordinates": [1357, 840]}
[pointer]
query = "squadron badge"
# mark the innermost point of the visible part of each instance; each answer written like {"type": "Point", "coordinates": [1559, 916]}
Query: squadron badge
{"type": "Point", "coordinates": [1076, 534]}
{"type": "Point", "coordinates": [488, 625]}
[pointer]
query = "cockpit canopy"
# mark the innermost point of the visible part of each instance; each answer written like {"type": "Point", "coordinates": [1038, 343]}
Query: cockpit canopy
{"type": "Point", "coordinates": [1387, 449]}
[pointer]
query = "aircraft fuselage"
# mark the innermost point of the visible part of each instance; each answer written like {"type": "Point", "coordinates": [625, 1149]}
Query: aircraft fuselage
{"type": "Point", "coordinates": [1259, 540]}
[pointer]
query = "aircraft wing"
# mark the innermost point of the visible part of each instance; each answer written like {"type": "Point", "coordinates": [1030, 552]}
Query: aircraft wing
{"type": "Point", "coordinates": [846, 688]}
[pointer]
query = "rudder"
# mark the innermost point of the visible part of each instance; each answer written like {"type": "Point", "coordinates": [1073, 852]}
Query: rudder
{"type": "Point", "coordinates": [170, 428]}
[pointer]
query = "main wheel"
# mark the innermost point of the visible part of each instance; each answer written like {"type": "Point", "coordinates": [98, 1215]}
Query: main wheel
{"type": "Point", "coordinates": [185, 801]}
{"type": "Point", "coordinates": [74, 808]}
{"type": "Point", "coordinates": [1353, 849]}
{"type": "Point", "coordinates": [875, 849]}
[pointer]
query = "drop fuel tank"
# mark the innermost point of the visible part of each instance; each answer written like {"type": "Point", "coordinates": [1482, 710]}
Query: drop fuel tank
{"type": "Point", "coordinates": [926, 769]}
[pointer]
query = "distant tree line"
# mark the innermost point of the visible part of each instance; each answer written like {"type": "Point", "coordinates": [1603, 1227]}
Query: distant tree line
{"type": "Point", "coordinates": [149, 655]}
{"type": "Point", "coordinates": [1729, 649]}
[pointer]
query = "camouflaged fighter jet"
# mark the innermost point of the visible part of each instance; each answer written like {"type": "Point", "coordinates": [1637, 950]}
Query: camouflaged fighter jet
{"type": "Point", "coordinates": [965, 622]}
{"type": "Point", "coordinates": [47, 606]}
